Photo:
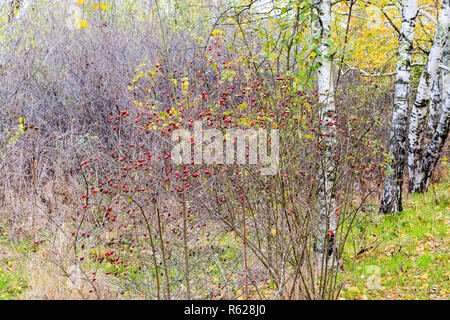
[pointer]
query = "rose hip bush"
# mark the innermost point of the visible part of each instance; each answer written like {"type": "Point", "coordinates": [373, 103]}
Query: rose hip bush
{"type": "Point", "coordinates": [164, 230]}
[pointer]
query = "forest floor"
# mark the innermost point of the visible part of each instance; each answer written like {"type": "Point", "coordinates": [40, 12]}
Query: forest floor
{"type": "Point", "coordinates": [401, 256]}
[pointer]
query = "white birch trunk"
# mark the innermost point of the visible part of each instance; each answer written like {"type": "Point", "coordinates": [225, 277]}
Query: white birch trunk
{"type": "Point", "coordinates": [392, 197]}
{"type": "Point", "coordinates": [434, 149]}
{"type": "Point", "coordinates": [434, 112]}
{"type": "Point", "coordinates": [433, 152]}
{"type": "Point", "coordinates": [326, 242]}
{"type": "Point", "coordinates": [419, 109]}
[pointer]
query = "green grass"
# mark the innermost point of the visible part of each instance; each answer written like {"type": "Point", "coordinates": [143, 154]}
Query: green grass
{"type": "Point", "coordinates": [13, 283]}
{"type": "Point", "coordinates": [407, 254]}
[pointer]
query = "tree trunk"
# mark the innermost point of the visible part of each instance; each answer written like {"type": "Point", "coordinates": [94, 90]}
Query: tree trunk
{"type": "Point", "coordinates": [434, 149]}
{"type": "Point", "coordinates": [325, 242]}
{"type": "Point", "coordinates": [419, 109]}
{"type": "Point", "coordinates": [392, 197]}
{"type": "Point", "coordinates": [434, 112]}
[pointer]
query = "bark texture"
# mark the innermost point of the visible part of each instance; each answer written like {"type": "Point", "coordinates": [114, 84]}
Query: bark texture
{"type": "Point", "coordinates": [392, 196]}
{"type": "Point", "coordinates": [434, 148]}
{"type": "Point", "coordinates": [327, 224]}
{"type": "Point", "coordinates": [419, 109]}
{"type": "Point", "coordinates": [435, 109]}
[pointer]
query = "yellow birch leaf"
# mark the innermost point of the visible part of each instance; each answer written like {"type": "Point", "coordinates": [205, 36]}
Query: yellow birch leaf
{"type": "Point", "coordinates": [95, 6]}
{"type": "Point", "coordinates": [103, 6]}
{"type": "Point", "coordinates": [80, 2]}
{"type": "Point", "coordinates": [84, 24]}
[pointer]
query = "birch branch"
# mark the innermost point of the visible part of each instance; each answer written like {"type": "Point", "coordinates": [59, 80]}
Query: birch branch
{"type": "Point", "coordinates": [428, 16]}
{"type": "Point", "coordinates": [367, 74]}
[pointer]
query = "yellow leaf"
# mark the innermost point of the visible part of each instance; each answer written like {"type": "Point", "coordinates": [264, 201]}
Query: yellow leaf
{"type": "Point", "coordinates": [274, 232]}
{"type": "Point", "coordinates": [80, 2]}
{"type": "Point", "coordinates": [95, 6]}
{"type": "Point", "coordinates": [215, 32]}
{"type": "Point", "coordinates": [424, 276]}
{"type": "Point", "coordinates": [185, 85]}
{"type": "Point", "coordinates": [84, 24]}
{"type": "Point", "coordinates": [103, 6]}
{"type": "Point", "coordinates": [242, 106]}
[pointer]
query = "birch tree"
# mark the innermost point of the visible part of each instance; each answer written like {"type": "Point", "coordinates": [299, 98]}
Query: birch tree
{"type": "Point", "coordinates": [419, 109]}
{"type": "Point", "coordinates": [435, 106]}
{"type": "Point", "coordinates": [392, 196]}
{"type": "Point", "coordinates": [327, 225]}
{"type": "Point", "coordinates": [434, 149]}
